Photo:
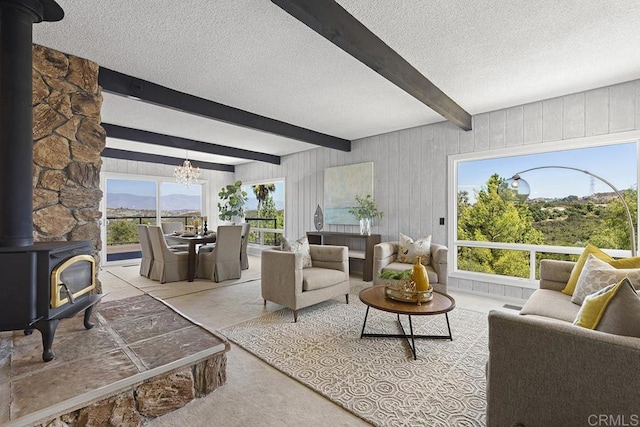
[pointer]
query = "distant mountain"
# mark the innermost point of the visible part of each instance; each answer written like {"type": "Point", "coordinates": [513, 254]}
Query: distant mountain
{"type": "Point", "coordinates": [171, 202]}
{"type": "Point", "coordinates": [130, 201]}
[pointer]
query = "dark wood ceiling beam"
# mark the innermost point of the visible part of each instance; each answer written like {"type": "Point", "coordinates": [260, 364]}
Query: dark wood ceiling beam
{"type": "Point", "coordinates": [334, 23]}
{"type": "Point", "coordinates": [123, 84]}
{"type": "Point", "coordinates": [130, 134]}
{"type": "Point", "coordinates": [115, 153]}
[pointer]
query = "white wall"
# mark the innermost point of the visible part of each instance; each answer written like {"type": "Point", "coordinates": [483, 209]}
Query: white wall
{"type": "Point", "coordinates": [214, 180]}
{"type": "Point", "coordinates": [410, 165]}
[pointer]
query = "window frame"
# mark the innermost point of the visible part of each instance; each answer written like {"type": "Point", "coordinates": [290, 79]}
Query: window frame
{"type": "Point", "coordinates": [539, 148]}
{"type": "Point", "coordinates": [158, 179]}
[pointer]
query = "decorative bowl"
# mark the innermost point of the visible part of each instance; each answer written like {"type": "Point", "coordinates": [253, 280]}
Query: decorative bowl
{"type": "Point", "coordinates": [404, 291]}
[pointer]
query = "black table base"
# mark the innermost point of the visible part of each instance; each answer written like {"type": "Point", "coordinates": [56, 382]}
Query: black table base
{"type": "Point", "coordinates": [411, 337]}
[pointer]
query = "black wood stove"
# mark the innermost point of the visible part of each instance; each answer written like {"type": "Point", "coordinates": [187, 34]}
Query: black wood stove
{"type": "Point", "coordinates": [44, 283]}
{"type": "Point", "coordinates": [40, 283]}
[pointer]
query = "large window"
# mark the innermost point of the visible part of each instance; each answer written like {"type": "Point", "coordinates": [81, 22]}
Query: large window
{"type": "Point", "coordinates": [180, 202]}
{"type": "Point", "coordinates": [566, 209]}
{"type": "Point", "coordinates": [265, 212]}
{"type": "Point", "coordinates": [132, 201]}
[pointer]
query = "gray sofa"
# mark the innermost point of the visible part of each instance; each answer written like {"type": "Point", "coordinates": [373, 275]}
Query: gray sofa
{"type": "Point", "coordinates": [545, 371]}
{"type": "Point", "coordinates": [285, 282]}
{"type": "Point", "coordinates": [385, 258]}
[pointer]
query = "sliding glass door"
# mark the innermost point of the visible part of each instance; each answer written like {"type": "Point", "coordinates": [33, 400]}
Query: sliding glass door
{"type": "Point", "coordinates": [128, 202]}
{"type": "Point", "coordinates": [131, 200]}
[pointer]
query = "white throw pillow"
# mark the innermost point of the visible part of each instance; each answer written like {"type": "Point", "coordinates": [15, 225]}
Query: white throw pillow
{"type": "Point", "coordinates": [409, 251]}
{"type": "Point", "coordinates": [597, 275]}
{"type": "Point", "coordinates": [300, 247]}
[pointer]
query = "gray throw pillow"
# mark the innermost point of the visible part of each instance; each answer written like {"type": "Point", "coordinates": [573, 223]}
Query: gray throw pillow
{"type": "Point", "coordinates": [300, 247]}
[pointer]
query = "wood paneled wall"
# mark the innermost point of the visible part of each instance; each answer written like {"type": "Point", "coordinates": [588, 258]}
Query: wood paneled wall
{"type": "Point", "coordinates": [410, 165]}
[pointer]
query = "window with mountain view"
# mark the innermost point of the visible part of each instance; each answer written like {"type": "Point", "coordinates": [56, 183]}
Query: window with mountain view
{"type": "Point", "coordinates": [180, 202]}
{"type": "Point", "coordinates": [566, 208]}
{"type": "Point", "coordinates": [130, 202]}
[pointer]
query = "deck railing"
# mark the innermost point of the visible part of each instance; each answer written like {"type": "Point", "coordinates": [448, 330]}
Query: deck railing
{"type": "Point", "coordinates": [535, 252]}
{"type": "Point", "coordinates": [270, 236]}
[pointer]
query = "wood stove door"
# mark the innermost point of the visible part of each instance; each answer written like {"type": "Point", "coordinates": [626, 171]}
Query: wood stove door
{"type": "Point", "coordinates": [72, 278]}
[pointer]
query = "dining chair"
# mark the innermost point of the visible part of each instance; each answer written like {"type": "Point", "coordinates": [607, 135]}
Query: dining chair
{"type": "Point", "coordinates": [147, 253]}
{"type": "Point", "coordinates": [223, 262]}
{"type": "Point", "coordinates": [244, 260]}
{"type": "Point", "coordinates": [168, 266]}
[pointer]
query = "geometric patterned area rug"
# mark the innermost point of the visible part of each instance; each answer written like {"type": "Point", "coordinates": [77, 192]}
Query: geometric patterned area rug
{"type": "Point", "coordinates": [377, 378]}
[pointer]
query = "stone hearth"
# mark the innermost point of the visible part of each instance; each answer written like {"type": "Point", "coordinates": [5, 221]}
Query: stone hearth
{"type": "Point", "coordinates": [141, 360]}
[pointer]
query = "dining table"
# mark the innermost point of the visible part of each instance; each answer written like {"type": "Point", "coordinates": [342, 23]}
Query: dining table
{"type": "Point", "coordinates": [193, 241]}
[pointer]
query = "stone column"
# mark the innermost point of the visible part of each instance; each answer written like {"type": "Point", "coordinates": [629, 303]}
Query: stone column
{"type": "Point", "coordinates": [68, 142]}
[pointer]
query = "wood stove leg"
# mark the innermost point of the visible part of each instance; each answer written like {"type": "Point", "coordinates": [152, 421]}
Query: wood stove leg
{"type": "Point", "coordinates": [88, 324]}
{"type": "Point", "coordinates": [47, 329]}
{"type": "Point", "coordinates": [28, 331]}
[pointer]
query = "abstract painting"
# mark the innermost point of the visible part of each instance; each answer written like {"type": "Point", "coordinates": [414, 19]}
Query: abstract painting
{"type": "Point", "coordinates": [341, 186]}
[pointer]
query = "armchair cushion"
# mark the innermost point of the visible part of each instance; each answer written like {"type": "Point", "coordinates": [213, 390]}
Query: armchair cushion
{"type": "Point", "coordinates": [409, 251]}
{"type": "Point", "coordinates": [317, 278]}
{"type": "Point", "coordinates": [299, 247]}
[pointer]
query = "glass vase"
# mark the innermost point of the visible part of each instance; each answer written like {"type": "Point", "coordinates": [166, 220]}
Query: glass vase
{"type": "Point", "coordinates": [365, 226]}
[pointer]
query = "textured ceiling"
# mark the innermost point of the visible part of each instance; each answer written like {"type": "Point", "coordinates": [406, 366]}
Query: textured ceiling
{"type": "Point", "coordinates": [250, 54]}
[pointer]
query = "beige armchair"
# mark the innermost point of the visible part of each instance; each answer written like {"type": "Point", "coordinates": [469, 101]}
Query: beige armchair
{"type": "Point", "coordinates": [285, 282]}
{"type": "Point", "coordinates": [385, 258]}
{"type": "Point", "coordinates": [168, 266]}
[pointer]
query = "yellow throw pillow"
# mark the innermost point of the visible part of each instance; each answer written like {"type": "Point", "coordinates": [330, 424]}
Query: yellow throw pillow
{"type": "Point", "coordinates": [595, 305]}
{"type": "Point", "coordinates": [577, 269]}
{"type": "Point", "coordinates": [633, 262]}
{"type": "Point", "coordinates": [614, 310]}
{"type": "Point", "coordinates": [598, 253]}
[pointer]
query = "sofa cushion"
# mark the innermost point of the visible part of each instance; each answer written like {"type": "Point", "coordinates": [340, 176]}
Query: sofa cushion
{"type": "Point", "coordinates": [409, 251]}
{"type": "Point", "coordinates": [317, 278]}
{"type": "Point", "coordinates": [598, 253]}
{"type": "Point", "coordinates": [553, 304]}
{"type": "Point", "coordinates": [299, 247]}
{"type": "Point", "coordinates": [614, 309]}
{"type": "Point", "coordinates": [597, 275]}
{"type": "Point", "coordinates": [400, 267]}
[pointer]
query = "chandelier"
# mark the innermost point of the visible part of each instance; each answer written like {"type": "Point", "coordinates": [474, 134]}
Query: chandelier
{"type": "Point", "coordinates": [186, 174]}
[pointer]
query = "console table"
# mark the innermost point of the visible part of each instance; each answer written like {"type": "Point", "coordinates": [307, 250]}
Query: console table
{"type": "Point", "coordinates": [336, 238]}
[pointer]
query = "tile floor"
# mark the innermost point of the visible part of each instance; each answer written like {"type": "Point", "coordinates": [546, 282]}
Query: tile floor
{"type": "Point", "coordinates": [132, 338]}
{"type": "Point", "coordinates": [255, 394]}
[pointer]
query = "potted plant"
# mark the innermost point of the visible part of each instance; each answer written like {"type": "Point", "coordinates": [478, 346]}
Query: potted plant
{"type": "Point", "coordinates": [231, 204]}
{"type": "Point", "coordinates": [365, 211]}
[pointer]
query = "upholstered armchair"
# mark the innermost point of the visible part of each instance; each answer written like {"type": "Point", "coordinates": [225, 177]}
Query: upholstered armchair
{"type": "Point", "coordinates": [385, 257]}
{"type": "Point", "coordinates": [285, 282]}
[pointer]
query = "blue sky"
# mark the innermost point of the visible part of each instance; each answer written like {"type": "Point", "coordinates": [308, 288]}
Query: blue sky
{"type": "Point", "coordinates": [615, 163]}
{"type": "Point", "coordinates": [148, 188]}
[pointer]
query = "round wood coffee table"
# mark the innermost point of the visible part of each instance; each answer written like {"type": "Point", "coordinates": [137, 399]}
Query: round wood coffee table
{"type": "Point", "coordinates": [440, 304]}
